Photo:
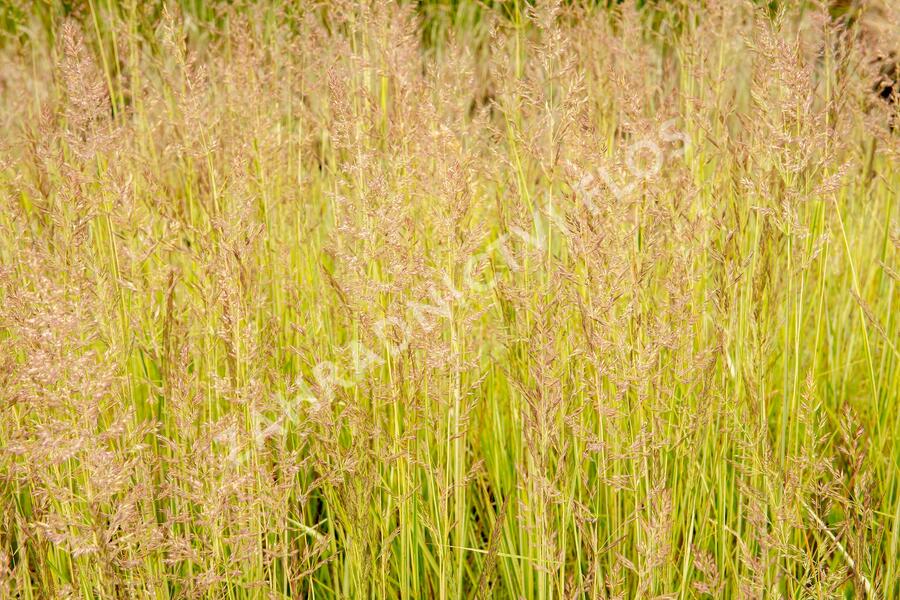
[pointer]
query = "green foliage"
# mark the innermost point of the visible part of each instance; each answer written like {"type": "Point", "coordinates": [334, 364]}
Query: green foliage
{"type": "Point", "coordinates": [447, 300]}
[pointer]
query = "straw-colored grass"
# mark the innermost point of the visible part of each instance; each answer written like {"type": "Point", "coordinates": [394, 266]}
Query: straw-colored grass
{"type": "Point", "coordinates": [371, 301]}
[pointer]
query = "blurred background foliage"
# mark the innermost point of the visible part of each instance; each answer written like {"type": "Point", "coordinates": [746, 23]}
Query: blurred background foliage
{"type": "Point", "coordinates": [40, 19]}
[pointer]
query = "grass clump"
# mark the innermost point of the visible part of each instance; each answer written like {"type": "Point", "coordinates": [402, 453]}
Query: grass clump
{"type": "Point", "coordinates": [537, 302]}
